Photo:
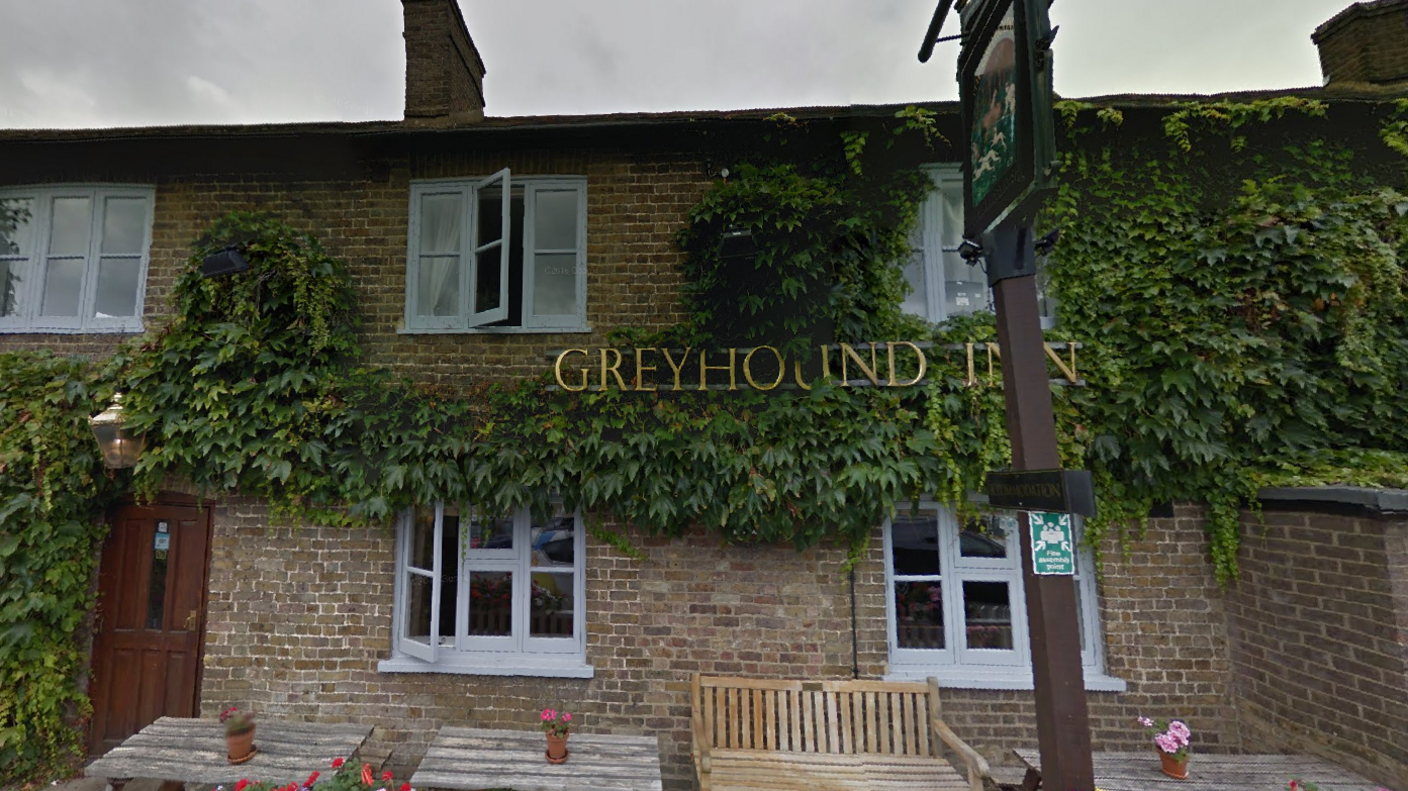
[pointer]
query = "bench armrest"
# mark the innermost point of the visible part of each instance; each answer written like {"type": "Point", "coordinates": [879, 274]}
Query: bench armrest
{"type": "Point", "coordinates": [978, 769]}
{"type": "Point", "coordinates": [699, 739]}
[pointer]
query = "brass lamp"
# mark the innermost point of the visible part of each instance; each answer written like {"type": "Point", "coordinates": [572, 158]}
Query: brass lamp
{"type": "Point", "coordinates": [120, 445]}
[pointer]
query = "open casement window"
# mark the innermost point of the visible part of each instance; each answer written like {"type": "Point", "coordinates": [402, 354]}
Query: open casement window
{"type": "Point", "coordinates": [74, 258]}
{"type": "Point", "coordinates": [421, 582]}
{"type": "Point", "coordinates": [489, 280]}
{"type": "Point", "coordinates": [956, 606]}
{"type": "Point", "coordinates": [498, 255]}
{"type": "Point", "coordinates": [492, 593]}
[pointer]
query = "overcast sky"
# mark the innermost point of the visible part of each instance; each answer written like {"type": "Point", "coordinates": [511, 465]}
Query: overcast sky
{"type": "Point", "coordinates": [92, 63]}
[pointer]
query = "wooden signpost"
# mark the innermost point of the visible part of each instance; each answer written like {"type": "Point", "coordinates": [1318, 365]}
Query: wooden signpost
{"type": "Point", "coordinates": [1005, 88]}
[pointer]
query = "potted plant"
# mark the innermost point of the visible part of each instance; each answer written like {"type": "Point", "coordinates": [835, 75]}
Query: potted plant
{"type": "Point", "coordinates": [556, 724]}
{"type": "Point", "coordinates": [1171, 739]}
{"type": "Point", "coordinates": [239, 734]}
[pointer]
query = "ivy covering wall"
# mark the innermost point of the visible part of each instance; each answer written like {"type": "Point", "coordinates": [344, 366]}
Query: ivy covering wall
{"type": "Point", "coordinates": [1233, 272]}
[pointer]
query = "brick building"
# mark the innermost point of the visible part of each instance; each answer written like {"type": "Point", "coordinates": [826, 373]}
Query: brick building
{"type": "Point", "coordinates": [1309, 652]}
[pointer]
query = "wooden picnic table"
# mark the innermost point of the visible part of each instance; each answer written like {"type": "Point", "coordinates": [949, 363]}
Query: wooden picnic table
{"type": "Point", "coordinates": [1139, 771]}
{"type": "Point", "coordinates": [477, 758]}
{"type": "Point", "coordinates": [193, 751]}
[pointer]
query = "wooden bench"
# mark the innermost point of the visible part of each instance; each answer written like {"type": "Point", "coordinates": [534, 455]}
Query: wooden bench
{"type": "Point", "coordinates": [824, 736]}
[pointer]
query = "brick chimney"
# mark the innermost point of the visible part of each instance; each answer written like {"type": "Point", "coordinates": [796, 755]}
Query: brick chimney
{"type": "Point", "coordinates": [1365, 43]}
{"type": "Point", "coordinates": [444, 75]}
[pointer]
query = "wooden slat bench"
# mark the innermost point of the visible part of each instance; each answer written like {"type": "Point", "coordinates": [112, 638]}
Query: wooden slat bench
{"type": "Point", "coordinates": [825, 736]}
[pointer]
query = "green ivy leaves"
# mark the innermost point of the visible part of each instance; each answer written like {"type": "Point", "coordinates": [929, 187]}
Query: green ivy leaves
{"type": "Point", "coordinates": [52, 492]}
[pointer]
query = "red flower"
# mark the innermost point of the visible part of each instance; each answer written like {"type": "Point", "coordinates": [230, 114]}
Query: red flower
{"type": "Point", "coordinates": [313, 778]}
{"type": "Point", "coordinates": [240, 786]}
{"type": "Point", "coordinates": [386, 776]}
{"type": "Point", "coordinates": [405, 787]}
{"type": "Point", "coordinates": [337, 763]}
{"type": "Point", "coordinates": [366, 774]}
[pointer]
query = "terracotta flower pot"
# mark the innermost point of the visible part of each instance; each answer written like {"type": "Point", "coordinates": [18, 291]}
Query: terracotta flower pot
{"type": "Point", "coordinates": [557, 749]}
{"type": "Point", "coordinates": [1173, 767]}
{"type": "Point", "coordinates": [239, 745]}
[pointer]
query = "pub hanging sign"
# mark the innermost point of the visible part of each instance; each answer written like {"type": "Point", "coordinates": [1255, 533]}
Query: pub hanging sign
{"type": "Point", "coordinates": [1004, 75]}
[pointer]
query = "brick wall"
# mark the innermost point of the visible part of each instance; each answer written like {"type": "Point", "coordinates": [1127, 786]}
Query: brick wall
{"type": "Point", "coordinates": [299, 618]}
{"type": "Point", "coordinates": [1319, 638]}
{"type": "Point", "coordinates": [1164, 631]}
{"type": "Point", "coordinates": [635, 203]}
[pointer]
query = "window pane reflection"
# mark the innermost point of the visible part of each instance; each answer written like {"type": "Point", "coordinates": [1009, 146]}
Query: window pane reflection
{"type": "Point", "coordinates": [555, 220]}
{"type": "Point", "coordinates": [919, 614]}
{"type": "Point", "coordinates": [915, 542]}
{"type": "Point", "coordinates": [987, 614]}
{"type": "Point", "coordinates": [550, 605]}
{"type": "Point", "coordinates": [486, 533]}
{"type": "Point", "coordinates": [985, 536]}
{"type": "Point", "coordinates": [418, 609]}
{"type": "Point", "coordinates": [491, 603]}
{"type": "Point", "coordinates": [422, 550]}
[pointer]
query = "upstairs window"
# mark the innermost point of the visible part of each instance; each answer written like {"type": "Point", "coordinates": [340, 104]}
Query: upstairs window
{"type": "Point", "coordinates": [73, 259]}
{"type": "Point", "coordinates": [942, 283]}
{"type": "Point", "coordinates": [497, 254]}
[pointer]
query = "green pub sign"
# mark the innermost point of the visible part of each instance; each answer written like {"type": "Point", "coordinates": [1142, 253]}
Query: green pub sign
{"type": "Point", "coordinates": [1053, 544]}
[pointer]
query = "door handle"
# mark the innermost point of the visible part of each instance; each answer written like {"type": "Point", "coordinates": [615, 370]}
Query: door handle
{"type": "Point", "coordinates": [192, 620]}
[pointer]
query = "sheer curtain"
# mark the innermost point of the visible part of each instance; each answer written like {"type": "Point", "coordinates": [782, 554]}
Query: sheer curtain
{"type": "Point", "coordinates": [439, 287]}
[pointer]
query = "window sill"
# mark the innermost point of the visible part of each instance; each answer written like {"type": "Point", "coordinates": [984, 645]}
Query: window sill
{"type": "Point", "coordinates": [129, 330]}
{"type": "Point", "coordinates": [972, 678]}
{"type": "Point", "coordinates": [514, 665]}
{"type": "Point", "coordinates": [577, 330]}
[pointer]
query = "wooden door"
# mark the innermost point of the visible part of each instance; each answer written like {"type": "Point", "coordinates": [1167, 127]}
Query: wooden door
{"type": "Point", "coordinates": [150, 620]}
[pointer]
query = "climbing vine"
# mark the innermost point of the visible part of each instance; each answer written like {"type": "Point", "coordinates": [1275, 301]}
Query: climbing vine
{"type": "Point", "coordinates": [52, 493]}
{"type": "Point", "coordinates": [1238, 294]}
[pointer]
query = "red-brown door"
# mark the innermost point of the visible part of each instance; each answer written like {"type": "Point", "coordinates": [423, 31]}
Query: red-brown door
{"type": "Point", "coordinates": [150, 620]}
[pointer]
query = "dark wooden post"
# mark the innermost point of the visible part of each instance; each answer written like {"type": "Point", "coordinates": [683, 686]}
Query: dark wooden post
{"type": "Point", "coordinates": [1063, 722]}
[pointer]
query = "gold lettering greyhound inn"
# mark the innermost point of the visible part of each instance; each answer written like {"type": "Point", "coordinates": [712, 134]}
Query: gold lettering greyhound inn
{"type": "Point", "coordinates": [869, 364]}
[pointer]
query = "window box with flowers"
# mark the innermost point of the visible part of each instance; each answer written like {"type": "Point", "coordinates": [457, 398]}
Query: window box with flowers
{"type": "Point", "coordinates": [489, 595]}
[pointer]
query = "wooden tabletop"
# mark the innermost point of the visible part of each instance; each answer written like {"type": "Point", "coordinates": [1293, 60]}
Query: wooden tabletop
{"type": "Point", "coordinates": [476, 758]}
{"type": "Point", "coordinates": [1212, 772]}
{"type": "Point", "coordinates": [193, 751]}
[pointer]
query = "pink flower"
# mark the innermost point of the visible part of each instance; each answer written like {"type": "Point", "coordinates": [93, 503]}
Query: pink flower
{"type": "Point", "coordinates": [1167, 743]}
{"type": "Point", "coordinates": [1146, 722]}
{"type": "Point", "coordinates": [566, 717]}
{"type": "Point", "coordinates": [1179, 731]}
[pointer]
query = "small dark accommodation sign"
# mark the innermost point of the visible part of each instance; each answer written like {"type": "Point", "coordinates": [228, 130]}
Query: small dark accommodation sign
{"type": "Point", "coordinates": [1057, 491]}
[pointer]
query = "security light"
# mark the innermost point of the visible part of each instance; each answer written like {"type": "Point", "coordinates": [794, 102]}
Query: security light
{"type": "Point", "coordinates": [226, 262]}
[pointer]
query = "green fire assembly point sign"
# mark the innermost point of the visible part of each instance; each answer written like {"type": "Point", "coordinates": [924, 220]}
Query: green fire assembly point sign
{"type": "Point", "coordinates": [1053, 545]}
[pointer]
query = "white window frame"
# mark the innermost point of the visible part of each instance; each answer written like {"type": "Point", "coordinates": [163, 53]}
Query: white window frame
{"type": "Point", "coordinates": [958, 666]}
{"type": "Point", "coordinates": [31, 291]}
{"type": "Point", "coordinates": [467, 321]}
{"type": "Point", "coordinates": [518, 654]}
{"type": "Point", "coordinates": [946, 179]}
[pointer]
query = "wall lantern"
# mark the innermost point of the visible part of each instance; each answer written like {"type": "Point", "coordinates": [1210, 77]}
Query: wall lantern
{"type": "Point", "coordinates": [226, 262]}
{"type": "Point", "coordinates": [737, 243]}
{"type": "Point", "coordinates": [120, 445]}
